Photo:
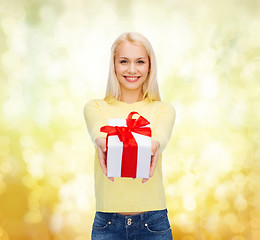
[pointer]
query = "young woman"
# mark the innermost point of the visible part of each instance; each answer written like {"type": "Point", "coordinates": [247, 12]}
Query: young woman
{"type": "Point", "coordinates": [129, 208]}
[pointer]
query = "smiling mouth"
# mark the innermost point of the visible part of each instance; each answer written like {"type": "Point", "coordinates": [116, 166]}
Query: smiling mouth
{"type": "Point", "coordinates": [131, 79]}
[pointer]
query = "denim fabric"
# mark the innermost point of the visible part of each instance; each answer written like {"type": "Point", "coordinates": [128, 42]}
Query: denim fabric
{"type": "Point", "coordinates": [153, 225]}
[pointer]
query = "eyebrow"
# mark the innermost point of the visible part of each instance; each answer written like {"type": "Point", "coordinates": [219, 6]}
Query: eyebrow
{"type": "Point", "coordinates": [137, 58]}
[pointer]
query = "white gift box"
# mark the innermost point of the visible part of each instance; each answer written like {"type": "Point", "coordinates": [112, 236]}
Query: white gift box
{"type": "Point", "coordinates": [115, 151]}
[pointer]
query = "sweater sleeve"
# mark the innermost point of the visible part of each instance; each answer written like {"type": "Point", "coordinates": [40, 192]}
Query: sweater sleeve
{"type": "Point", "coordinates": [95, 119]}
{"type": "Point", "coordinates": [163, 125]}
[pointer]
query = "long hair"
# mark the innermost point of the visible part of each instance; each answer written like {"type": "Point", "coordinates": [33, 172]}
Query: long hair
{"type": "Point", "coordinates": [150, 87]}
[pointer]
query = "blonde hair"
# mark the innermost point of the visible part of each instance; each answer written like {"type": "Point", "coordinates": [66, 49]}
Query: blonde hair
{"type": "Point", "coordinates": [150, 87]}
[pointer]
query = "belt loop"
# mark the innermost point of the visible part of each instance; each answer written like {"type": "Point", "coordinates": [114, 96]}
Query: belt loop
{"type": "Point", "coordinates": [142, 217]}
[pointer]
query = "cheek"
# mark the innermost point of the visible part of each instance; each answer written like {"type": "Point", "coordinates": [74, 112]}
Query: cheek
{"type": "Point", "coordinates": [119, 69]}
{"type": "Point", "coordinates": [145, 70]}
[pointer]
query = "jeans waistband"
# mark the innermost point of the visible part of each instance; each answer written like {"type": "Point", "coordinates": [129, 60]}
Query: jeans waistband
{"type": "Point", "coordinates": [151, 215]}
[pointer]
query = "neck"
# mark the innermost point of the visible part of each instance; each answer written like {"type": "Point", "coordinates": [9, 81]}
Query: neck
{"type": "Point", "coordinates": [131, 96]}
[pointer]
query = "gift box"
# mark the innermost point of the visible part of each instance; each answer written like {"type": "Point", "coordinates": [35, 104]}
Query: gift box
{"type": "Point", "coordinates": [128, 147]}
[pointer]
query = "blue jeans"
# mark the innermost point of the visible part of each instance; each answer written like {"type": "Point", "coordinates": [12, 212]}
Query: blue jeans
{"type": "Point", "coordinates": [153, 225]}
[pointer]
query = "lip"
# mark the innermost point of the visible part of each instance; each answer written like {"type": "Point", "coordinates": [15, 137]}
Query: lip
{"type": "Point", "coordinates": [132, 78]}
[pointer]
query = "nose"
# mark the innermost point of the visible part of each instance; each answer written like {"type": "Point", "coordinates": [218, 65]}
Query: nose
{"type": "Point", "coordinates": [132, 68]}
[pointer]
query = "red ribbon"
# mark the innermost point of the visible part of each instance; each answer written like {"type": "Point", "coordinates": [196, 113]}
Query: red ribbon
{"type": "Point", "coordinates": [130, 147]}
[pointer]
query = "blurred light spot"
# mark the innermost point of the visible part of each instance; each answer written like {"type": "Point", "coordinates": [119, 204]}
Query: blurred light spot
{"type": "Point", "coordinates": [240, 203]}
{"type": "Point", "coordinates": [81, 238]}
{"type": "Point", "coordinates": [238, 59]}
{"type": "Point", "coordinates": [211, 114]}
{"type": "Point", "coordinates": [33, 203]}
{"type": "Point", "coordinates": [4, 146]}
{"type": "Point", "coordinates": [238, 227]}
{"type": "Point", "coordinates": [205, 62]}
{"type": "Point", "coordinates": [47, 14]}
{"type": "Point", "coordinates": [33, 217]}
{"type": "Point", "coordinates": [212, 223]}
{"type": "Point", "coordinates": [221, 192]}
{"type": "Point", "coordinates": [186, 69]}
{"type": "Point", "coordinates": [189, 202]}
{"type": "Point", "coordinates": [223, 205]}
{"type": "Point", "coordinates": [74, 219]}
{"type": "Point", "coordinates": [35, 165]}
{"type": "Point", "coordinates": [3, 188]}
{"type": "Point", "coordinates": [170, 190]}
{"type": "Point", "coordinates": [237, 113]}
{"type": "Point", "coordinates": [4, 140]}
{"type": "Point", "coordinates": [3, 234]}
{"type": "Point", "coordinates": [254, 35]}
{"type": "Point", "coordinates": [216, 155]}
{"type": "Point", "coordinates": [28, 154]}
{"type": "Point", "coordinates": [57, 91]}
{"type": "Point", "coordinates": [59, 237]}
{"type": "Point", "coordinates": [76, 193]}
{"type": "Point", "coordinates": [9, 59]}
{"type": "Point", "coordinates": [55, 181]}
{"type": "Point", "coordinates": [78, 88]}
{"type": "Point", "coordinates": [187, 182]}
{"type": "Point", "coordinates": [187, 238]}
{"type": "Point", "coordinates": [209, 85]}
{"type": "Point", "coordinates": [54, 72]}
{"type": "Point", "coordinates": [184, 223]}
{"type": "Point", "coordinates": [43, 113]}
{"type": "Point", "coordinates": [255, 222]}
{"type": "Point", "coordinates": [238, 238]}
{"type": "Point", "coordinates": [59, 147]}
{"type": "Point", "coordinates": [254, 92]}
{"type": "Point", "coordinates": [8, 23]}
{"type": "Point", "coordinates": [175, 166]}
{"type": "Point", "coordinates": [65, 108]}
{"type": "Point", "coordinates": [174, 204]}
{"type": "Point", "coordinates": [6, 167]}
{"type": "Point", "coordinates": [13, 107]}
{"type": "Point", "coordinates": [230, 219]}
{"type": "Point", "coordinates": [240, 180]}
{"type": "Point", "coordinates": [56, 223]}
{"type": "Point", "coordinates": [249, 71]}
{"type": "Point", "coordinates": [171, 167]}
{"type": "Point", "coordinates": [26, 141]}
{"type": "Point", "coordinates": [255, 233]}
{"type": "Point", "coordinates": [29, 181]}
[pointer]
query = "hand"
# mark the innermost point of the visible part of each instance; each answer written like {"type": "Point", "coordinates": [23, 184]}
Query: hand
{"type": "Point", "coordinates": [101, 145]}
{"type": "Point", "coordinates": [154, 158]}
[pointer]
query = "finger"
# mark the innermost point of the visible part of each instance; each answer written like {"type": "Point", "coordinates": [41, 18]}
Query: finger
{"type": "Point", "coordinates": [101, 143]}
{"type": "Point", "coordinates": [153, 163]}
{"type": "Point", "coordinates": [111, 179]}
{"type": "Point", "coordinates": [144, 180]}
{"type": "Point", "coordinates": [103, 167]}
{"type": "Point", "coordinates": [102, 161]}
{"type": "Point", "coordinates": [103, 147]}
{"type": "Point", "coordinates": [155, 146]}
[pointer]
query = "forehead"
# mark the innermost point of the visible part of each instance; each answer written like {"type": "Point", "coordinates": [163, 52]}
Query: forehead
{"type": "Point", "coordinates": [130, 50]}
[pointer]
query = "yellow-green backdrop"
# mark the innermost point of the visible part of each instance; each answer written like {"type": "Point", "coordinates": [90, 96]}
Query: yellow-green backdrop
{"type": "Point", "coordinates": [54, 57]}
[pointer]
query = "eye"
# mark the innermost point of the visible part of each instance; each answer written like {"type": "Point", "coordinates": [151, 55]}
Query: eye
{"type": "Point", "coordinates": [123, 61]}
{"type": "Point", "coordinates": [140, 61]}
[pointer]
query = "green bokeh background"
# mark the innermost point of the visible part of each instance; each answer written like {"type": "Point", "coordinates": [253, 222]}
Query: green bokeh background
{"type": "Point", "coordinates": [54, 57]}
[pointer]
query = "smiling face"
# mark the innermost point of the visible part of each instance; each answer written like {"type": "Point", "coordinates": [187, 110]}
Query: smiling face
{"type": "Point", "coordinates": [131, 67]}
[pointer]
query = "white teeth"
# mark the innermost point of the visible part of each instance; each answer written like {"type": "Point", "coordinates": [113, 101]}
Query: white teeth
{"type": "Point", "coordinates": [132, 78]}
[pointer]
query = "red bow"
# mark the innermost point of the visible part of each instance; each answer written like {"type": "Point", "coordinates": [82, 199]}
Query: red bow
{"type": "Point", "coordinates": [130, 147]}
